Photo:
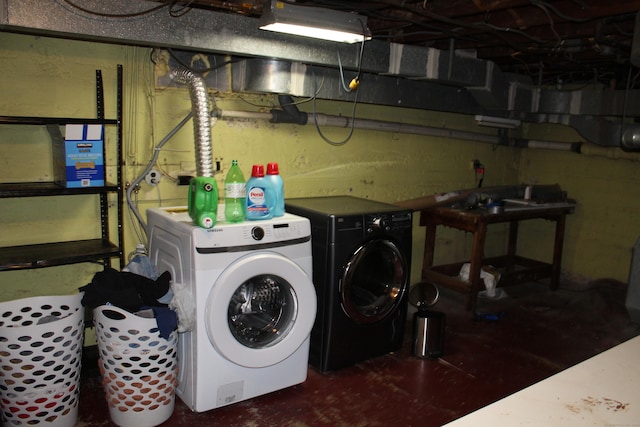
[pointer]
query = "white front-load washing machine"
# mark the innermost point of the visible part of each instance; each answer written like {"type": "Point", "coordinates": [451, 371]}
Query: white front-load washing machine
{"type": "Point", "coordinates": [255, 303]}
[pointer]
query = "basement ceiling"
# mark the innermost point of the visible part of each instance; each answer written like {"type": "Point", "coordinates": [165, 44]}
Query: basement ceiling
{"type": "Point", "coordinates": [553, 42]}
{"type": "Point", "coordinates": [569, 62]}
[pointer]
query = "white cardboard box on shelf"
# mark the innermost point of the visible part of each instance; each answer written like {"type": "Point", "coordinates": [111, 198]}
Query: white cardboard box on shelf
{"type": "Point", "coordinates": [78, 159]}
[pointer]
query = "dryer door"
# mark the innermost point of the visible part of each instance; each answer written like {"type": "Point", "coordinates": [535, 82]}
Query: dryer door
{"type": "Point", "coordinates": [260, 310]}
{"type": "Point", "coordinates": [374, 281]}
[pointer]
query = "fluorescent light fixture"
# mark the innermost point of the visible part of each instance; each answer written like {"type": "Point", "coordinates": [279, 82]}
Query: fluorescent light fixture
{"type": "Point", "coordinates": [497, 122]}
{"type": "Point", "coordinates": [314, 22]}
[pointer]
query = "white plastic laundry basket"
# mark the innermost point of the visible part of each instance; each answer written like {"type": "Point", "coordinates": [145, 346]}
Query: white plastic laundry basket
{"type": "Point", "coordinates": [138, 367]}
{"type": "Point", "coordinates": [40, 355]}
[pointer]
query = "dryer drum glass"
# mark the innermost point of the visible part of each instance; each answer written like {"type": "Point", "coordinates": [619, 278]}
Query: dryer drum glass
{"type": "Point", "coordinates": [374, 281]}
{"type": "Point", "coordinates": [262, 311]}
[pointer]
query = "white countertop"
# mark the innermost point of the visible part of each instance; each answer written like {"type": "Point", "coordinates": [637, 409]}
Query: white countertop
{"type": "Point", "coordinates": [603, 391]}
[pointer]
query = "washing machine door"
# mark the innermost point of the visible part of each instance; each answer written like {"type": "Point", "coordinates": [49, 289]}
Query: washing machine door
{"type": "Point", "coordinates": [260, 310]}
{"type": "Point", "coordinates": [374, 281]}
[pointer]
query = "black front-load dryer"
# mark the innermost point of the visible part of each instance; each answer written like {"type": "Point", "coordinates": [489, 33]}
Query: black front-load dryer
{"type": "Point", "coordinates": [361, 266]}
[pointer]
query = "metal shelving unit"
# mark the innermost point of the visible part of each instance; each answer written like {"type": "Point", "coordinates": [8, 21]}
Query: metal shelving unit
{"type": "Point", "coordinates": [102, 249]}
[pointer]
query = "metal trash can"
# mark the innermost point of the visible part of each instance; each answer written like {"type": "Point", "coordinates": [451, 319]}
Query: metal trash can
{"type": "Point", "coordinates": [428, 325]}
{"type": "Point", "coordinates": [428, 334]}
{"type": "Point", "coordinates": [41, 351]}
{"type": "Point", "coordinates": [139, 368]}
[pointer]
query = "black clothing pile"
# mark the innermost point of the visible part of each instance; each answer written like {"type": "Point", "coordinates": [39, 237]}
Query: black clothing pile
{"type": "Point", "coordinates": [128, 291]}
{"type": "Point", "coordinates": [134, 293]}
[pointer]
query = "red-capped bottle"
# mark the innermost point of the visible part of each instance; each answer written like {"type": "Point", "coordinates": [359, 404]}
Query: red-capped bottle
{"type": "Point", "coordinates": [275, 179]}
{"type": "Point", "coordinates": [260, 195]}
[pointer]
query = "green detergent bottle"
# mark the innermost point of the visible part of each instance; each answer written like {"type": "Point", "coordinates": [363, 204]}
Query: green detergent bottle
{"type": "Point", "coordinates": [203, 201]}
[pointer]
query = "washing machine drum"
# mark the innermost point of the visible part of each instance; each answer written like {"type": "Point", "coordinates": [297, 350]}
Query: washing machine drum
{"type": "Point", "coordinates": [260, 310]}
{"type": "Point", "coordinates": [374, 281]}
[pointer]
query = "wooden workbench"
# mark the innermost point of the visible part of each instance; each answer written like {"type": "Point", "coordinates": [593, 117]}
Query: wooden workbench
{"type": "Point", "coordinates": [514, 269]}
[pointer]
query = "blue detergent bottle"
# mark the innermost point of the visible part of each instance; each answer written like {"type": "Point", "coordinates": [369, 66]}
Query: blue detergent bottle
{"type": "Point", "coordinates": [260, 195]}
{"type": "Point", "coordinates": [274, 178]}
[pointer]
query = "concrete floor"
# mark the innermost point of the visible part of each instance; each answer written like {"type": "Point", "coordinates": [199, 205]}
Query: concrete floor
{"type": "Point", "coordinates": [538, 333]}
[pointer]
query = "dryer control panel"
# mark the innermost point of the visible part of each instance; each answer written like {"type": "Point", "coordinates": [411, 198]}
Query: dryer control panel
{"type": "Point", "coordinates": [385, 222]}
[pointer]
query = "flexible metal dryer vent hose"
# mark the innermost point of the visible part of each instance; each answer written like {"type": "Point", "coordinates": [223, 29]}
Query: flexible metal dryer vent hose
{"type": "Point", "coordinates": [201, 119]}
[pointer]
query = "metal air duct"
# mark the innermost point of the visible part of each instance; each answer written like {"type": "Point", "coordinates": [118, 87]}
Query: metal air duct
{"type": "Point", "coordinates": [201, 119]}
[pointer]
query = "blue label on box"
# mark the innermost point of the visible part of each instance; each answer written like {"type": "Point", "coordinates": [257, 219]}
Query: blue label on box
{"type": "Point", "coordinates": [83, 156]}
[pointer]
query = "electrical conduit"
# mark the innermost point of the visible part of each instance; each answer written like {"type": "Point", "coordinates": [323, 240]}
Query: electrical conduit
{"type": "Point", "coordinates": [284, 116]}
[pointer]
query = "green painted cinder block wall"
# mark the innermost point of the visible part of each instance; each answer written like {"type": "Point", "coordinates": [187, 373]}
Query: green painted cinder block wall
{"type": "Point", "coordinates": [54, 77]}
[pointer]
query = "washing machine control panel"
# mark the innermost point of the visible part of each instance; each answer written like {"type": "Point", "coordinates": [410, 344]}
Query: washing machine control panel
{"type": "Point", "coordinates": [257, 233]}
{"type": "Point", "coordinates": [386, 222]}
